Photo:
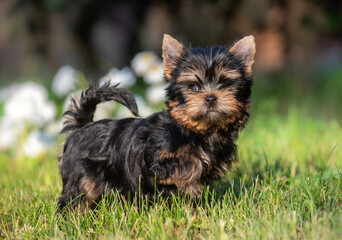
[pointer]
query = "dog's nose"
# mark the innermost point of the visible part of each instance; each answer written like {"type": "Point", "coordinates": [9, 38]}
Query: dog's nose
{"type": "Point", "coordinates": [211, 99]}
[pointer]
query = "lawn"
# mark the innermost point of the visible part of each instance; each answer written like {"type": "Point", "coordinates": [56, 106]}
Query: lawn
{"type": "Point", "coordinates": [287, 184]}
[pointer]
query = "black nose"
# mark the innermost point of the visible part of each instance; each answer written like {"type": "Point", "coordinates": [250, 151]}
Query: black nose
{"type": "Point", "coordinates": [211, 99]}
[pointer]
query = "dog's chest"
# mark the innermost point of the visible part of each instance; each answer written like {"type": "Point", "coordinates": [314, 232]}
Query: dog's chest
{"type": "Point", "coordinates": [195, 164]}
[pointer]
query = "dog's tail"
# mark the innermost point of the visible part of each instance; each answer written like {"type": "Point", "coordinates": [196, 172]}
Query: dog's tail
{"type": "Point", "coordinates": [82, 108]}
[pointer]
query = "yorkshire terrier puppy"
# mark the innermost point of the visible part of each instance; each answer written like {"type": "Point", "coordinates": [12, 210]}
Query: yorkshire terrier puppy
{"type": "Point", "coordinates": [175, 151]}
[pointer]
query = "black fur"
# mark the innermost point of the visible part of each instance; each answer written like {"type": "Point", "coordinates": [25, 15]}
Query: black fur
{"type": "Point", "coordinates": [137, 155]}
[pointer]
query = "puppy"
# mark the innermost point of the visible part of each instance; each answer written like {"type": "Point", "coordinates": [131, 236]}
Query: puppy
{"type": "Point", "coordinates": [175, 151]}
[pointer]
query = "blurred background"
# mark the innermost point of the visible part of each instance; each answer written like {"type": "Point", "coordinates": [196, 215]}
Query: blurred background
{"type": "Point", "coordinates": [38, 37]}
{"type": "Point", "coordinates": [49, 48]}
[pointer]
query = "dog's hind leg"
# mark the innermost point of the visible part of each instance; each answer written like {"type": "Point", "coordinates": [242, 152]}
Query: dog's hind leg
{"type": "Point", "coordinates": [72, 195]}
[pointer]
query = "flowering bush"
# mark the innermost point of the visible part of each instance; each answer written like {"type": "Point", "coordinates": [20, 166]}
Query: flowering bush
{"type": "Point", "coordinates": [30, 124]}
{"type": "Point", "coordinates": [26, 107]}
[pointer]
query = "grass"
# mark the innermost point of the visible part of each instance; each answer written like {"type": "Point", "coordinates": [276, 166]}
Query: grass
{"type": "Point", "coordinates": [286, 185]}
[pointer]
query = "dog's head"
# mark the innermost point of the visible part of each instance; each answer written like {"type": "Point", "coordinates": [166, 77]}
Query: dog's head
{"type": "Point", "coordinates": [209, 88]}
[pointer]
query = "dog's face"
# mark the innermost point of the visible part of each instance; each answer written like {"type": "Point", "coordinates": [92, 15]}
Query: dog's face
{"type": "Point", "coordinates": [209, 88]}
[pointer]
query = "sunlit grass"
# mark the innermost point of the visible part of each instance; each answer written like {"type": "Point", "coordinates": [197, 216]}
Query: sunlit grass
{"type": "Point", "coordinates": [286, 185]}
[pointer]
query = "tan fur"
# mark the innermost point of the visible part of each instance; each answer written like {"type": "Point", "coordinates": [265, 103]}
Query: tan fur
{"type": "Point", "coordinates": [188, 181]}
{"type": "Point", "coordinates": [195, 115]}
{"type": "Point", "coordinates": [167, 181]}
{"type": "Point", "coordinates": [91, 190]}
{"type": "Point", "coordinates": [245, 49]}
{"type": "Point", "coordinates": [181, 152]}
{"type": "Point", "coordinates": [172, 50]}
{"type": "Point", "coordinates": [187, 76]}
{"type": "Point", "coordinates": [228, 73]}
{"type": "Point", "coordinates": [196, 104]}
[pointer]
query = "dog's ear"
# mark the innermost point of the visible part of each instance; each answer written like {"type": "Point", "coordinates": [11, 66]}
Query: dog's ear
{"type": "Point", "coordinates": [172, 51]}
{"type": "Point", "coordinates": [245, 51]}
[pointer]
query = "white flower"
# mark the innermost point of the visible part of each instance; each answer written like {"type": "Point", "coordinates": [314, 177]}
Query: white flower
{"type": "Point", "coordinates": [46, 112]}
{"type": "Point", "coordinates": [144, 109]}
{"type": "Point", "coordinates": [125, 77]}
{"type": "Point", "coordinates": [143, 61]}
{"type": "Point", "coordinates": [54, 128]}
{"type": "Point", "coordinates": [30, 103]}
{"type": "Point", "coordinates": [64, 81]}
{"type": "Point", "coordinates": [156, 94]}
{"type": "Point", "coordinates": [7, 92]}
{"type": "Point", "coordinates": [103, 110]}
{"type": "Point", "coordinates": [155, 73]}
{"type": "Point", "coordinates": [10, 131]}
{"type": "Point", "coordinates": [37, 144]}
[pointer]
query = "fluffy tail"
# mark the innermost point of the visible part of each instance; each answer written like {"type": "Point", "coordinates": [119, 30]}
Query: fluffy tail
{"type": "Point", "coordinates": [82, 108]}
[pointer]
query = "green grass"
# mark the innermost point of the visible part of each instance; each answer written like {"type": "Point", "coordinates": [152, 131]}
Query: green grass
{"type": "Point", "coordinates": [286, 185]}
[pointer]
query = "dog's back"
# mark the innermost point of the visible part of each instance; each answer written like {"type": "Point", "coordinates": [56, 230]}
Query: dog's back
{"type": "Point", "coordinates": [84, 154]}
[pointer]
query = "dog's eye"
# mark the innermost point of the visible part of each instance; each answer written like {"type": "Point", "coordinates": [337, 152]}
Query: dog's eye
{"type": "Point", "coordinates": [194, 87]}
